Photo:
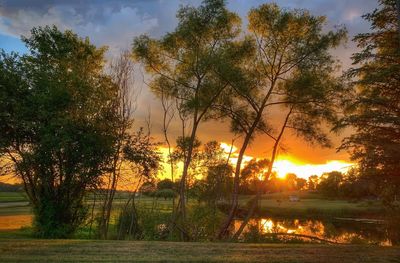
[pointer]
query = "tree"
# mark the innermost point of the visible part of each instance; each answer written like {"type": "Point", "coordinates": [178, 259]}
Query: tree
{"type": "Point", "coordinates": [291, 66]}
{"type": "Point", "coordinates": [184, 65]}
{"type": "Point", "coordinates": [57, 122]}
{"type": "Point", "coordinates": [301, 183]}
{"type": "Point", "coordinates": [312, 182]}
{"type": "Point", "coordinates": [165, 184]}
{"type": "Point", "coordinates": [330, 183]}
{"type": "Point", "coordinates": [372, 102]}
{"type": "Point", "coordinates": [121, 73]}
{"type": "Point", "coordinates": [218, 184]}
{"type": "Point", "coordinates": [291, 181]}
{"type": "Point", "coordinates": [253, 173]}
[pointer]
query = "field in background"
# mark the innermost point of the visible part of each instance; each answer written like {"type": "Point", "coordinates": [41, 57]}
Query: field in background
{"type": "Point", "coordinates": [15, 211]}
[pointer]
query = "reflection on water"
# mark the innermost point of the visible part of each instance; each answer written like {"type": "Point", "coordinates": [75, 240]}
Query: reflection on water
{"type": "Point", "coordinates": [13, 222]}
{"type": "Point", "coordinates": [336, 231]}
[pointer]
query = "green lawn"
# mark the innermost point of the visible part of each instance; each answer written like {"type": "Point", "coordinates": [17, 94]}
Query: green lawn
{"type": "Point", "coordinates": [12, 197]}
{"type": "Point", "coordinates": [24, 250]}
{"type": "Point", "coordinates": [313, 206]}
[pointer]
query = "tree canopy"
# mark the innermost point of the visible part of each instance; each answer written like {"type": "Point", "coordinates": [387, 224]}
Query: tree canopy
{"type": "Point", "coordinates": [56, 120]}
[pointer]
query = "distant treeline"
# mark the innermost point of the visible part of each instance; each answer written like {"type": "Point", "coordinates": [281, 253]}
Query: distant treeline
{"type": "Point", "coordinates": [4, 187]}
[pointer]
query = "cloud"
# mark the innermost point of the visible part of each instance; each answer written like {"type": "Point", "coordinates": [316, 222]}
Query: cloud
{"type": "Point", "coordinates": [113, 25]}
{"type": "Point", "coordinates": [116, 22]}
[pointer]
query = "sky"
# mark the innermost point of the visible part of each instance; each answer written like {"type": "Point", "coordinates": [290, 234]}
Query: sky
{"type": "Point", "coordinates": [115, 23]}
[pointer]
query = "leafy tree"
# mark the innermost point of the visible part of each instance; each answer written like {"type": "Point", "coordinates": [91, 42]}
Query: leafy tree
{"type": "Point", "coordinates": [330, 183]}
{"type": "Point", "coordinates": [218, 183]}
{"type": "Point", "coordinates": [291, 66]}
{"type": "Point", "coordinates": [291, 181]}
{"type": "Point", "coordinates": [121, 73]}
{"type": "Point", "coordinates": [253, 173]}
{"type": "Point", "coordinates": [165, 184]}
{"type": "Point", "coordinates": [312, 182]}
{"type": "Point", "coordinates": [57, 122]}
{"type": "Point", "coordinates": [187, 65]}
{"type": "Point", "coordinates": [372, 103]}
{"type": "Point", "coordinates": [300, 183]}
{"type": "Point", "coordinates": [147, 188]}
{"type": "Point", "coordinates": [144, 160]}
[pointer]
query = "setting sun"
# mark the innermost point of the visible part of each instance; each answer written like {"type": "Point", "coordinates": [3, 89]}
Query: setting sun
{"type": "Point", "coordinates": [284, 166]}
{"type": "Point", "coordinates": [288, 164]}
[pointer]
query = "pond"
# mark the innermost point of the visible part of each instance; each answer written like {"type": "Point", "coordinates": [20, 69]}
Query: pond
{"type": "Point", "coordinates": [336, 230]}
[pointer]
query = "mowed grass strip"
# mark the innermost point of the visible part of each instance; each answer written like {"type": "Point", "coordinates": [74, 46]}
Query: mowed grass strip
{"type": "Point", "coordinates": [21, 250]}
{"type": "Point", "coordinates": [12, 197]}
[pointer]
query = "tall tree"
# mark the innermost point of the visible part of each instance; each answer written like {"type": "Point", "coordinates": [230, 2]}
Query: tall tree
{"type": "Point", "coordinates": [373, 102]}
{"type": "Point", "coordinates": [291, 67]}
{"type": "Point", "coordinates": [57, 124]}
{"type": "Point", "coordinates": [184, 64]}
{"type": "Point", "coordinates": [121, 73]}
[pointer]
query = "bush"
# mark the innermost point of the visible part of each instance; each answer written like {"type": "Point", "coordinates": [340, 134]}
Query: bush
{"type": "Point", "coordinates": [140, 223]}
{"type": "Point", "coordinates": [56, 219]}
{"type": "Point", "coordinates": [203, 222]}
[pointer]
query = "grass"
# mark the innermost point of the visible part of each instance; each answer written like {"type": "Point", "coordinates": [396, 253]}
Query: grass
{"type": "Point", "coordinates": [12, 197]}
{"type": "Point", "coordinates": [320, 208]}
{"type": "Point", "coordinates": [16, 247]}
{"type": "Point", "coordinates": [25, 250]}
{"type": "Point", "coordinates": [311, 205]}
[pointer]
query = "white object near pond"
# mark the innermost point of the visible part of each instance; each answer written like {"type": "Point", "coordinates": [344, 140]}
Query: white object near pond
{"type": "Point", "coordinates": [294, 198]}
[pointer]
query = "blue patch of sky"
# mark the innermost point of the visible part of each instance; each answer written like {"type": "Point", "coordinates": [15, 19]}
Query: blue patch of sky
{"type": "Point", "coordinates": [11, 43]}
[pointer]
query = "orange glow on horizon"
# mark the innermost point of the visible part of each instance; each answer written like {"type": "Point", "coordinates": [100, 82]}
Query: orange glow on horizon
{"type": "Point", "coordinates": [282, 166]}
{"type": "Point", "coordinates": [285, 165]}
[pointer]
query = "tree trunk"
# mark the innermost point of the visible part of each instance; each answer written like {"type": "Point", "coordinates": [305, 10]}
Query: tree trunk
{"type": "Point", "coordinates": [270, 166]}
{"type": "Point", "coordinates": [398, 15]}
{"type": "Point", "coordinates": [223, 232]}
{"type": "Point", "coordinates": [182, 187]}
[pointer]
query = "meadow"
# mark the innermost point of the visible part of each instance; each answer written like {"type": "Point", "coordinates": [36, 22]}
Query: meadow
{"type": "Point", "coordinates": [17, 244]}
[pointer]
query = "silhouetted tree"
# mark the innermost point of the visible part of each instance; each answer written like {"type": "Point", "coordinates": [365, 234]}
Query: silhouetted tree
{"type": "Point", "coordinates": [57, 124]}
{"type": "Point", "coordinates": [372, 102]}
{"type": "Point", "coordinates": [184, 65]}
{"type": "Point", "coordinates": [290, 66]}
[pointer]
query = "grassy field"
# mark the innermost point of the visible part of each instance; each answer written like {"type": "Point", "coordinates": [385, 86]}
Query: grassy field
{"type": "Point", "coordinates": [14, 250]}
{"type": "Point", "coordinates": [15, 247]}
{"type": "Point", "coordinates": [311, 205]}
{"type": "Point", "coordinates": [320, 208]}
{"type": "Point", "coordinates": [12, 197]}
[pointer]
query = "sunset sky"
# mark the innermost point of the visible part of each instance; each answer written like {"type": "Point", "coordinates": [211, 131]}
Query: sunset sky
{"type": "Point", "coordinates": [116, 23]}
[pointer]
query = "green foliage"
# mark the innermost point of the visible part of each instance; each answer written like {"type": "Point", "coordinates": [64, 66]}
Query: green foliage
{"type": "Point", "coordinates": [186, 63]}
{"type": "Point", "coordinates": [217, 185]}
{"type": "Point", "coordinates": [147, 188]}
{"type": "Point", "coordinates": [292, 66]}
{"type": "Point", "coordinates": [330, 184]}
{"type": "Point", "coordinates": [141, 223]}
{"type": "Point", "coordinates": [203, 222]}
{"type": "Point", "coordinates": [372, 103]}
{"type": "Point", "coordinates": [57, 123]}
{"type": "Point", "coordinates": [165, 184]}
{"type": "Point", "coordinates": [142, 154]}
